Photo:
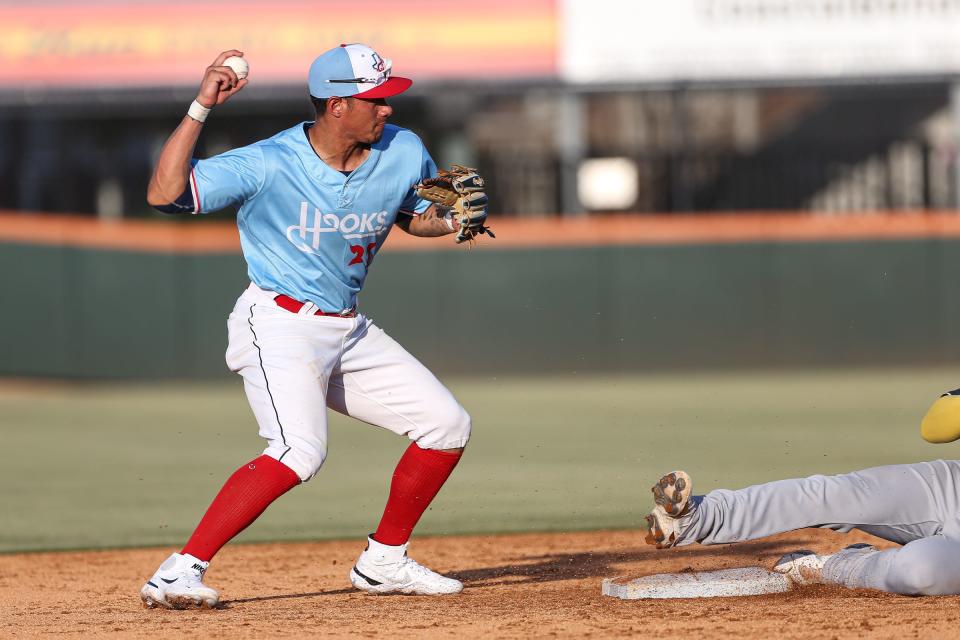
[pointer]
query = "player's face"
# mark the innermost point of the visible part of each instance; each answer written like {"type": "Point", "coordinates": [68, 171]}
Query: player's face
{"type": "Point", "coordinates": [366, 118]}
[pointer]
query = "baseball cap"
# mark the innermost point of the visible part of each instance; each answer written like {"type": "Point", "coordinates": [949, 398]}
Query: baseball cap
{"type": "Point", "coordinates": [356, 71]}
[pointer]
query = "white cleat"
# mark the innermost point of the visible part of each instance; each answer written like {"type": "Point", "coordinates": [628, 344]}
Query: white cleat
{"type": "Point", "coordinates": [805, 567]}
{"type": "Point", "coordinates": [387, 569]}
{"type": "Point", "coordinates": [671, 496]}
{"type": "Point", "coordinates": [178, 584]}
{"type": "Point", "coordinates": [802, 567]}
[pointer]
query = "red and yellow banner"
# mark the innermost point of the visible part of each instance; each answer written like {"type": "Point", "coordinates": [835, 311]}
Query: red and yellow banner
{"type": "Point", "coordinates": [107, 43]}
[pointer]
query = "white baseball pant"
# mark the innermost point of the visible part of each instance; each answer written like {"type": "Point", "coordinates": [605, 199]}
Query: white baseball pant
{"type": "Point", "coordinates": [916, 505]}
{"type": "Point", "coordinates": [295, 365]}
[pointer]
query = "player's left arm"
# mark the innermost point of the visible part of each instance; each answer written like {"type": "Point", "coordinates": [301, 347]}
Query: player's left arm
{"type": "Point", "coordinates": [443, 202]}
{"type": "Point", "coordinates": [431, 223]}
{"type": "Point", "coordinates": [453, 198]}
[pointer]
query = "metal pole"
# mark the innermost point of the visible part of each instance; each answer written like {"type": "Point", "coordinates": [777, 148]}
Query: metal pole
{"type": "Point", "coordinates": [681, 199]}
{"type": "Point", "coordinates": [571, 141]}
{"type": "Point", "coordinates": [955, 113]}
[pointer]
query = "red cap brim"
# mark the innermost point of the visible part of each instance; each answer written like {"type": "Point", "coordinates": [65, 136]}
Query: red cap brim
{"type": "Point", "coordinates": [391, 87]}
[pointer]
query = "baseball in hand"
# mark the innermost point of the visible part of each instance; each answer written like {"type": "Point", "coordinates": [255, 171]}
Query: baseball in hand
{"type": "Point", "coordinates": [239, 66]}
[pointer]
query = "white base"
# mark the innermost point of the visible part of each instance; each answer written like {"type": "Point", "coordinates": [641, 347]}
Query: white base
{"type": "Point", "coordinates": [748, 581]}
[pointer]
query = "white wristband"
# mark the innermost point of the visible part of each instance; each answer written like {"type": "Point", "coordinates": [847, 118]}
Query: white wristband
{"type": "Point", "coordinates": [198, 112]}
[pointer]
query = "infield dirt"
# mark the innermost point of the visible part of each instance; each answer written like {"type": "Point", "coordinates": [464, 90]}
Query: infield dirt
{"type": "Point", "coordinates": [540, 585]}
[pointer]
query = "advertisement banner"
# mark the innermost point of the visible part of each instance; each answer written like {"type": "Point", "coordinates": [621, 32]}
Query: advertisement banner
{"type": "Point", "coordinates": [109, 43]}
{"type": "Point", "coordinates": [622, 41]}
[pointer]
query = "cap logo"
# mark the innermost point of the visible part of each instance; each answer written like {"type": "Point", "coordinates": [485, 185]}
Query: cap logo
{"type": "Point", "coordinates": [381, 67]}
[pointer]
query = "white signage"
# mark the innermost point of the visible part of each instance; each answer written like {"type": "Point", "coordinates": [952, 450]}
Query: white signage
{"type": "Point", "coordinates": [623, 41]}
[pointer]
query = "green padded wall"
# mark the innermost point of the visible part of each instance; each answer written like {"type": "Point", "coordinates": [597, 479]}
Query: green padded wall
{"type": "Point", "coordinates": [82, 313]}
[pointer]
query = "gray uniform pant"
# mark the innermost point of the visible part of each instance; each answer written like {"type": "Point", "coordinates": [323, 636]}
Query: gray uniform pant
{"type": "Point", "coordinates": [915, 505]}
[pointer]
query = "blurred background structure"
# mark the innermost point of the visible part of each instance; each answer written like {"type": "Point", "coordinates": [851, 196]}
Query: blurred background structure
{"type": "Point", "coordinates": [570, 106]}
{"type": "Point", "coordinates": [657, 172]}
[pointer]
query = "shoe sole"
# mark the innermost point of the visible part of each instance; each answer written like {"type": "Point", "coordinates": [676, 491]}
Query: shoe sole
{"type": "Point", "coordinates": [672, 493]}
{"type": "Point", "coordinates": [384, 589]}
{"type": "Point", "coordinates": [156, 599]}
{"type": "Point", "coordinates": [654, 535]}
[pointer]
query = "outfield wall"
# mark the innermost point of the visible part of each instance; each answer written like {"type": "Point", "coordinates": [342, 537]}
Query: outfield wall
{"type": "Point", "coordinates": [149, 299]}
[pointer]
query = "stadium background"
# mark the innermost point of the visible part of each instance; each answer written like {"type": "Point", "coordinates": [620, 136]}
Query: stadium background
{"type": "Point", "coordinates": [727, 240]}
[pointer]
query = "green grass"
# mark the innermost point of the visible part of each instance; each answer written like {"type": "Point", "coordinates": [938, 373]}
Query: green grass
{"type": "Point", "coordinates": [120, 465]}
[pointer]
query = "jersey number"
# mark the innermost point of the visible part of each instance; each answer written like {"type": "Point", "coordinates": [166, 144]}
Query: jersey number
{"type": "Point", "coordinates": [358, 251]}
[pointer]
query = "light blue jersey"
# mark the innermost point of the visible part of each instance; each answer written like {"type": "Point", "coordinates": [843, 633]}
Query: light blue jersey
{"type": "Point", "coordinates": [307, 230]}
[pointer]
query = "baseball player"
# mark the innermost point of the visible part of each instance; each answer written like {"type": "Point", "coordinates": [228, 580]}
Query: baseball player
{"type": "Point", "coordinates": [316, 202]}
{"type": "Point", "coordinates": [914, 505]}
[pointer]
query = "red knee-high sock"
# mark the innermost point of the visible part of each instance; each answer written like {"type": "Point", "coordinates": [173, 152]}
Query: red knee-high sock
{"type": "Point", "coordinates": [245, 495]}
{"type": "Point", "coordinates": [416, 481]}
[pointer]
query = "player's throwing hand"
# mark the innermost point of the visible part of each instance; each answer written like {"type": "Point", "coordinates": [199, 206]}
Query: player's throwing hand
{"type": "Point", "coordinates": [220, 81]}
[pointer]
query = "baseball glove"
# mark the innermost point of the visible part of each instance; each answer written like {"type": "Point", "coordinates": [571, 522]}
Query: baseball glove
{"type": "Point", "coordinates": [459, 190]}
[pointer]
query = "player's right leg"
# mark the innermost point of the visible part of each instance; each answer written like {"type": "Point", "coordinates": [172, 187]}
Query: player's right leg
{"type": "Point", "coordinates": [379, 382]}
{"type": "Point", "coordinates": [900, 503]}
{"type": "Point", "coordinates": [271, 349]}
{"type": "Point", "coordinates": [925, 567]}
